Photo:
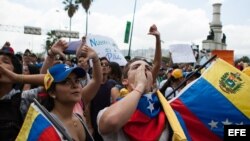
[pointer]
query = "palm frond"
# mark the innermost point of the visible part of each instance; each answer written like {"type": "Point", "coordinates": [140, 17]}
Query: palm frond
{"type": "Point", "coordinates": [85, 4]}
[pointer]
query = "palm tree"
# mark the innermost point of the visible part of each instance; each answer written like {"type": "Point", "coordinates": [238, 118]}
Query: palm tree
{"type": "Point", "coordinates": [71, 7]}
{"type": "Point", "coordinates": [51, 39]}
{"type": "Point", "coordinates": [85, 4]}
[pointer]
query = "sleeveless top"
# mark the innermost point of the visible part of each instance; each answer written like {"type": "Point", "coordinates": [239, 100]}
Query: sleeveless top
{"type": "Point", "coordinates": [88, 135]}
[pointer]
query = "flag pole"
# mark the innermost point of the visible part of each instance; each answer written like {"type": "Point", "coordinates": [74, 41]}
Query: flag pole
{"type": "Point", "coordinates": [132, 27]}
{"type": "Point", "coordinates": [196, 71]}
{"type": "Point", "coordinates": [53, 121]}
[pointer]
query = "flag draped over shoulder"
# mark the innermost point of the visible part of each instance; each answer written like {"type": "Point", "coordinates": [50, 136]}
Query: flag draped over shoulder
{"type": "Point", "coordinates": [178, 134]}
{"type": "Point", "coordinates": [148, 121]}
{"type": "Point", "coordinates": [219, 97]}
{"type": "Point", "coordinates": [37, 127]}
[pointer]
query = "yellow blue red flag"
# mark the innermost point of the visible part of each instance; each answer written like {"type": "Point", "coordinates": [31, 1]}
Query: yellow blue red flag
{"type": "Point", "coordinates": [219, 97]}
{"type": "Point", "coordinates": [37, 127]}
{"type": "Point", "coordinates": [178, 134]}
{"type": "Point", "coordinates": [148, 121]}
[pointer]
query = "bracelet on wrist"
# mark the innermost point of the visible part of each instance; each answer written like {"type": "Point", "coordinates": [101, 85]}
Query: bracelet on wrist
{"type": "Point", "coordinates": [138, 91]}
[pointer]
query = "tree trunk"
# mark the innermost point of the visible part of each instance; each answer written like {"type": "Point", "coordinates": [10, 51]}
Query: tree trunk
{"type": "Point", "coordinates": [87, 17]}
{"type": "Point", "coordinates": [69, 26]}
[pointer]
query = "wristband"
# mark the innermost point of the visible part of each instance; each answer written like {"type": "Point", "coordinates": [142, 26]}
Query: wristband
{"type": "Point", "coordinates": [138, 91]}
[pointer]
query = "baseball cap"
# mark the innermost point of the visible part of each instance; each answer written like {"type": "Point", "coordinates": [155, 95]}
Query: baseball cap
{"type": "Point", "coordinates": [15, 62]}
{"type": "Point", "coordinates": [59, 73]}
{"type": "Point", "coordinates": [177, 73]}
{"type": "Point", "coordinates": [18, 68]}
{"type": "Point", "coordinates": [7, 50]}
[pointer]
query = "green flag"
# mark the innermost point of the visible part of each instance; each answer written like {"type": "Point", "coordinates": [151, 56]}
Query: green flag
{"type": "Point", "coordinates": [127, 32]}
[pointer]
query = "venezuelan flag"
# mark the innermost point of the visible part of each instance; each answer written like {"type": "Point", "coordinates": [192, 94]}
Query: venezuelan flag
{"type": "Point", "coordinates": [148, 121]}
{"type": "Point", "coordinates": [219, 97]}
{"type": "Point", "coordinates": [178, 133]}
{"type": "Point", "coordinates": [37, 127]}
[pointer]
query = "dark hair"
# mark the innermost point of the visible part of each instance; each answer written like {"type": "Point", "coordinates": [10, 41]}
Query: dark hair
{"type": "Point", "coordinates": [168, 83]}
{"type": "Point", "coordinates": [15, 62]}
{"type": "Point", "coordinates": [17, 67]}
{"type": "Point", "coordinates": [33, 55]}
{"type": "Point", "coordinates": [7, 44]}
{"type": "Point", "coordinates": [197, 66]}
{"type": "Point", "coordinates": [116, 71]}
{"type": "Point", "coordinates": [126, 67]}
{"type": "Point", "coordinates": [19, 57]}
{"type": "Point", "coordinates": [77, 59]}
{"type": "Point", "coordinates": [61, 59]}
{"type": "Point", "coordinates": [27, 52]}
{"type": "Point", "coordinates": [175, 66]}
{"type": "Point", "coordinates": [48, 101]}
{"type": "Point", "coordinates": [104, 58]}
{"type": "Point", "coordinates": [33, 69]}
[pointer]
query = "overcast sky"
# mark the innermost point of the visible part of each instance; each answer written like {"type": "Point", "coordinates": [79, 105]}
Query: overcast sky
{"type": "Point", "coordinates": [179, 21]}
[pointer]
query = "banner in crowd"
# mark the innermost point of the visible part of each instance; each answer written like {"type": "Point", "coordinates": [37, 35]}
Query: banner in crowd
{"type": "Point", "coordinates": [37, 127]}
{"type": "Point", "coordinates": [226, 55]}
{"type": "Point", "coordinates": [219, 97]}
{"type": "Point", "coordinates": [103, 45]}
{"type": "Point", "coordinates": [182, 53]}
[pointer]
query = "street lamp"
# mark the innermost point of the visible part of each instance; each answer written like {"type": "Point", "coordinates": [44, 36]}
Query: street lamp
{"type": "Point", "coordinates": [129, 49]}
{"type": "Point", "coordinates": [59, 16]}
{"type": "Point", "coordinates": [32, 30]}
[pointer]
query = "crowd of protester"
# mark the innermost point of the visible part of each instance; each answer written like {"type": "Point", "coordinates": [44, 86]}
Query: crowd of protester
{"type": "Point", "coordinates": [91, 97]}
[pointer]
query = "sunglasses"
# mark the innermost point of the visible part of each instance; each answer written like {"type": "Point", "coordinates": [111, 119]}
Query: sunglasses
{"type": "Point", "coordinates": [104, 64]}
